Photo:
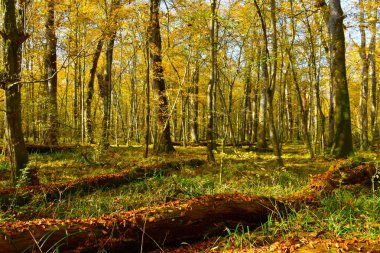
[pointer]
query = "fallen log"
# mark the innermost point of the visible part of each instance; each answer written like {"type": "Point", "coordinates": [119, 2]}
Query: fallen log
{"type": "Point", "coordinates": [47, 149]}
{"type": "Point", "coordinates": [23, 195]}
{"type": "Point", "coordinates": [147, 228]}
{"type": "Point", "coordinates": [340, 174]}
{"type": "Point", "coordinates": [204, 144]}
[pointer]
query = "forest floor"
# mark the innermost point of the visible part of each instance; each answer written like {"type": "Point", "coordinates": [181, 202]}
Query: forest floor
{"type": "Point", "coordinates": [346, 220]}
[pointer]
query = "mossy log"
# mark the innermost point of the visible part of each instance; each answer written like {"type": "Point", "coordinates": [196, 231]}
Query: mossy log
{"type": "Point", "coordinates": [23, 195]}
{"type": "Point", "coordinates": [47, 149]}
{"type": "Point", "coordinates": [148, 228]}
{"type": "Point", "coordinates": [342, 173]}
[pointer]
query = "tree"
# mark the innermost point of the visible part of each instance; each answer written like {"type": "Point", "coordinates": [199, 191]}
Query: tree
{"type": "Point", "coordinates": [373, 65]}
{"type": "Point", "coordinates": [270, 83]}
{"type": "Point", "coordinates": [90, 92]}
{"type": "Point", "coordinates": [364, 87]}
{"type": "Point", "coordinates": [211, 88]}
{"type": "Point", "coordinates": [51, 76]}
{"type": "Point", "coordinates": [343, 137]}
{"type": "Point", "coordinates": [163, 142]}
{"type": "Point", "coordinates": [290, 52]}
{"type": "Point", "coordinates": [13, 37]}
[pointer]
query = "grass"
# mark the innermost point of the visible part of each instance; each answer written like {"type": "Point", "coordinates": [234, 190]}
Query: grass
{"type": "Point", "coordinates": [347, 213]}
{"type": "Point", "coordinates": [243, 172]}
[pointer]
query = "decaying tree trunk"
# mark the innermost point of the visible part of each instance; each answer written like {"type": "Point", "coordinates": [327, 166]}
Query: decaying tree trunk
{"type": "Point", "coordinates": [147, 228]}
{"type": "Point", "coordinates": [340, 174]}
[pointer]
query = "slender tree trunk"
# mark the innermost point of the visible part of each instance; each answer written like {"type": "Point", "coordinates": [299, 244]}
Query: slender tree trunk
{"type": "Point", "coordinates": [272, 88]}
{"type": "Point", "coordinates": [163, 141]}
{"type": "Point", "coordinates": [90, 93]}
{"type": "Point", "coordinates": [194, 104]}
{"type": "Point", "coordinates": [343, 137]}
{"type": "Point", "coordinates": [373, 65]}
{"type": "Point", "coordinates": [147, 95]}
{"type": "Point", "coordinates": [211, 88]}
{"type": "Point", "coordinates": [262, 115]}
{"type": "Point", "coordinates": [133, 117]}
{"type": "Point", "coordinates": [364, 88]}
{"type": "Point", "coordinates": [305, 130]}
{"type": "Point", "coordinates": [256, 101]}
{"type": "Point", "coordinates": [247, 103]}
{"type": "Point", "coordinates": [303, 112]}
{"type": "Point", "coordinates": [13, 37]}
{"type": "Point", "coordinates": [289, 111]}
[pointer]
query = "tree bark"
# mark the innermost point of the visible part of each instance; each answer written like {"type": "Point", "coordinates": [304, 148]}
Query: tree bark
{"type": "Point", "coordinates": [51, 137]}
{"type": "Point", "coordinates": [373, 65]}
{"type": "Point", "coordinates": [272, 88]}
{"type": "Point", "coordinates": [194, 105]}
{"type": "Point", "coordinates": [211, 89]}
{"type": "Point", "coordinates": [364, 87]}
{"type": "Point", "coordinates": [163, 142]}
{"type": "Point", "coordinates": [90, 93]}
{"type": "Point", "coordinates": [303, 112]}
{"type": "Point", "coordinates": [105, 87]}
{"type": "Point", "coordinates": [138, 231]}
{"type": "Point", "coordinates": [343, 137]}
{"type": "Point", "coordinates": [13, 37]}
{"type": "Point", "coordinates": [246, 104]}
{"type": "Point", "coordinates": [270, 85]}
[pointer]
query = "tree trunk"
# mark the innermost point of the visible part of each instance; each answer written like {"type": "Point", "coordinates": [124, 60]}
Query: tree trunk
{"type": "Point", "coordinates": [105, 87]}
{"type": "Point", "coordinates": [247, 104]}
{"type": "Point", "coordinates": [147, 97]}
{"type": "Point", "coordinates": [269, 86]}
{"type": "Point", "coordinates": [364, 88]}
{"type": "Point", "coordinates": [256, 101]}
{"type": "Point", "coordinates": [211, 88]}
{"type": "Point", "coordinates": [51, 76]}
{"type": "Point", "coordinates": [194, 104]}
{"type": "Point", "coordinates": [343, 137]}
{"type": "Point", "coordinates": [272, 88]}
{"type": "Point", "coordinates": [163, 142]}
{"type": "Point", "coordinates": [133, 116]}
{"type": "Point", "coordinates": [13, 37]}
{"type": "Point", "coordinates": [305, 131]}
{"type": "Point", "coordinates": [90, 93]}
{"type": "Point", "coordinates": [289, 111]}
{"type": "Point", "coordinates": [303, 112]}
{"type": "Point", "coordinates": [373, 65]}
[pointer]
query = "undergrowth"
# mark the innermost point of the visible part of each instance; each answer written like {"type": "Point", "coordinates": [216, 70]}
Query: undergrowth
{"type": "Point", "coordinates": [346, 213]}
